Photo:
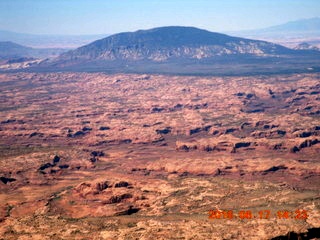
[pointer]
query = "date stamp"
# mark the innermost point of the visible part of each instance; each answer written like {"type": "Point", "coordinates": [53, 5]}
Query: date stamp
{"type": "Point", "coordinates": [298, 214]}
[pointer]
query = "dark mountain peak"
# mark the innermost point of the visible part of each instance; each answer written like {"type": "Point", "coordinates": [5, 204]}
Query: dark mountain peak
{"type": "Point", "coordinates": [167, 43]}
{"type": "Point", "coordinates": [162, 36]}
{"type": "Point", "coordinates": [181, 31]}
{"type": "Point", "coordinates": [183, 35]}
{"type": "Point", "coordinates": [173, 28]}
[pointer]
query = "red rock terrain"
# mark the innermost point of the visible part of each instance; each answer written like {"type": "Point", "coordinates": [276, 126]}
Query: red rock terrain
{"type": "Point", "coordinates": [97, 156]}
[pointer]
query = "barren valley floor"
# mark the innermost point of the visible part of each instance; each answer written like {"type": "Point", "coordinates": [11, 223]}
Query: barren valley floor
{"type": "Point", "coordinates": [128, 156]}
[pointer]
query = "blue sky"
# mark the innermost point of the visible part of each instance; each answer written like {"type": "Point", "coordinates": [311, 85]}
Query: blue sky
{"type": "Point", "coordinates": [112, 16]}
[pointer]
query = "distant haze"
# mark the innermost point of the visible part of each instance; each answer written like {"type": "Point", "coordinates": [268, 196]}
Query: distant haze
{"type": "Point", "coordinates": [289, 34]}
{"type": "Point", "coordinates": [107, 17]}
{"type": "Point", "coordinates": [48, 41]}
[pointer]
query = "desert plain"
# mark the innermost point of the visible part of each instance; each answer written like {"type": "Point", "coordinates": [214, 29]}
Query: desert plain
{"type": "Point", "coordinates": [137, 156]}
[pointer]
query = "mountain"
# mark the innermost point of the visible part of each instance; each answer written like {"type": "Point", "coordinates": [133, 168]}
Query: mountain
{"type": "Point", "coordinates": [48, 41]}
{"type": "Point", "coordinates": [13, 50]}
{"type": "Point", "coordinates": [311, 25]}
{"type": "Point", "coordinates": [168, 43]}
{"type": "Point", "coordinates": [10, 50]}
{"type": "Point", "coordinates": [180, 50]}
{"type": "Point", "coordinates": [289, 34]}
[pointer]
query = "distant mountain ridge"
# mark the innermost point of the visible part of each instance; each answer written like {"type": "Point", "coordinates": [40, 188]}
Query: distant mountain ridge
{"type": "Point", "coordinates": [10, 50]}
{"type": "Point", "coordinates": [307, 25]}
{"type": "Point", "coordinates": [299, 29]}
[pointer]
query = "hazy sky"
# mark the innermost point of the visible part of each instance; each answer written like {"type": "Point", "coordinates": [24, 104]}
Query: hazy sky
{"type": "Point", "coordinates": [112, 16]}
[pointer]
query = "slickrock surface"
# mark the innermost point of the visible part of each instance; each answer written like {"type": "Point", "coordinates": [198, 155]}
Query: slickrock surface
{"type": "Point", "coordinates": [97, 156]}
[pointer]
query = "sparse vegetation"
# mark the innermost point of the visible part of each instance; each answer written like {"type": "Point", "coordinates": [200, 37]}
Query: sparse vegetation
{"type": "Point", "coordinates": [172, 148]}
